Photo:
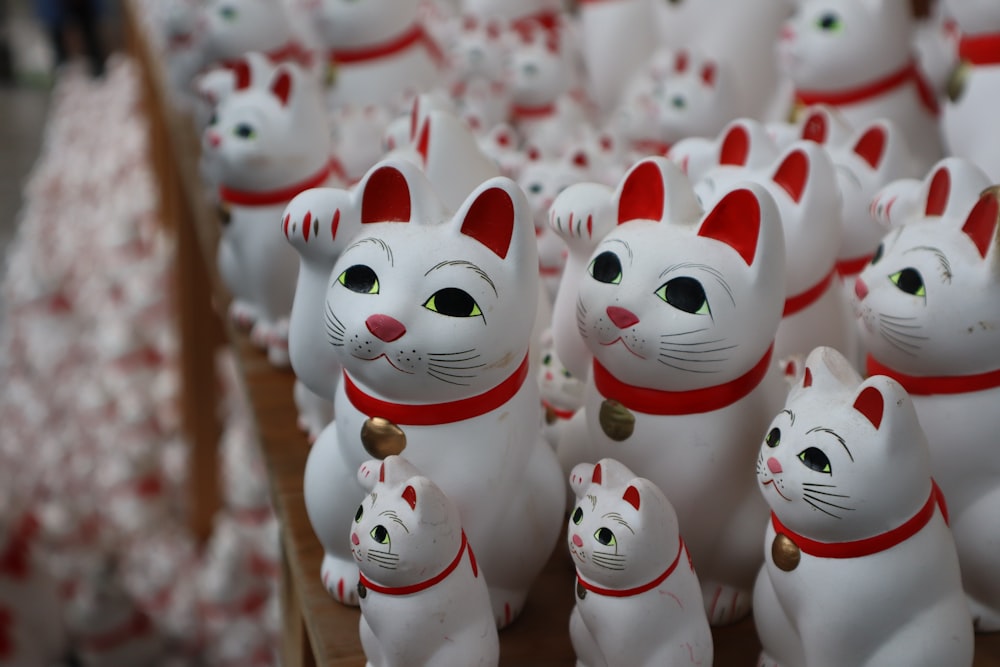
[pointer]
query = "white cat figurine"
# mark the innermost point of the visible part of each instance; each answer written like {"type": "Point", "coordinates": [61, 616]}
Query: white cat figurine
{"type": "Point", "coordinates": [638, 600]}
{"type": "Point", "coordinates": [860, 568]}
{"type": "Point", "coordinates": [423, 599]}
{"type": "Point", "coordinates": [430, 316]}
{"type": "Point", "coordinates": [928, 313]}
{"type": "Point", "coordinates": [562, 394]}
{"type": "Point", "coordinates": [679, 309]}
{"type": "Point", "coordinates": [233, 29]}
{"type": "Point", "coordinates": [951, 187]}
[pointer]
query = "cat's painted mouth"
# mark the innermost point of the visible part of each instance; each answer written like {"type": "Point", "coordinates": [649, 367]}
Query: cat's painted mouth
{"type": "Point", "coordinates": [577, 554]}
{"type": "Point", "coordinates": [776, 489]}
{"type": "Point", "coordinates": [622, 341]}
{"type": "Point", "coordinates": [388, 360]}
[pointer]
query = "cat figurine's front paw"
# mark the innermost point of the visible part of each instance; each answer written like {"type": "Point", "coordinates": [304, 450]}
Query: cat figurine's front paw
{"type": "Point", "coordinates": [507, 605]}
{"type": "Point", "coordinates": [242, 314]}
{"type": "Point", "coordinates": [725, 604]}
{"type": "Point", "coordinates": [340, 579]}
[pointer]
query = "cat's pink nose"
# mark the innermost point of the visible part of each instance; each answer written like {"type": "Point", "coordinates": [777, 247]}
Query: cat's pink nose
{"type": "Point", "coordinates": [213, 139]}
{"type": "Point", "coordinates": [577, 541]}
{"type": "Point", "coordinates": [385, 328]}
{"type": "Point", "coordinates": [622, 317]}
{"type": "Point", "coordinates": [787, 33]}
{"type": "Point", "coordinates": [773, 465]}
{"type": "Point", "coordinates": [354, 539]}
{"type": "Point", "coordinates": [860, 289]}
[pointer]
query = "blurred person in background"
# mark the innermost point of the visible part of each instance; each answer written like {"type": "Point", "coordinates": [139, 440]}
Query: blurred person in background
{"type": "Point", "coordinates": [61, 16]}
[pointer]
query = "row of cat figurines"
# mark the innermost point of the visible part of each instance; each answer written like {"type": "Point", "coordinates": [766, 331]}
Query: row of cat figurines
{"type": "Point", "coordinates": [418, 323]}
{"type": "Point", "coordinates": [859, 565]}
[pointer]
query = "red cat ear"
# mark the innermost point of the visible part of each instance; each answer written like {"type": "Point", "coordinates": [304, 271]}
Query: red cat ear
{"type": "Point", "coordinates": [386, 197]}
{"type": "Point", "coordinates": [242, 72]}
{"type": "Point", "coordinates": [981, 224]}
{"type": "Point", "coordinates": [871, 146]}
{"type": "Point", "coordinates": [281, 86]}
{"type": "Point", "coordinates": [580, 159]}
{"type": "Point", "coordinates": [381, 473]}
{"type": "Point", "coordinates": [596, 477]}
{"type": "Point", "coordinates": [807, 378]}
{"type": "Point", "coordinates": [735, 147]}
{"type": "Point", "coordinates": [938, 193]}
{"type": "Point", "coordinates": [632, 496]}
{"type": "Point", "coordinates": [871, 404]}
{"type": "Point", "coordinates": [410, 496]}
{"type": "Point", "coordinates": [708, 74]}
{"type": "Point", "coordinates": [735, 221]}
{"type": "Point", "coordinates": [681, 61]}
{"type": "Point", "coordinates": [642, 196]}
{"type": "Point", "coordinates": [815, 128]}
{"type": "Point", "coordinates": [424, 141]}
{"type": "Point", "coordinates": [793, 174]}
{"type": "Point", "coordinates": [490, 220]}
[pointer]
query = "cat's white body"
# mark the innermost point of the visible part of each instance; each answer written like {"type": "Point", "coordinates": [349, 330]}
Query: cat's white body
{"type": "Point", "coordinates": [865, 571]}
{"type": "Point", "coordinates": [487, 456]}
{"type": "Point", "coordinates": [615, 39]}
{"type": "Point", "coordinates": [929, 319]}
{"type": "Point", "coordinates": [423, 598]}
{"type": "Point", "coordinates": [638, 600]}
{"type": "Point", "coordinates": [857, 56]}
{"type": "Point", "coordinates": [269, 141]}
{"type": "Point", "coordinates": [231, 30]}
{"type": "Point", "coordinates": [663, 350]}
{"type": "Point", "coordinates": [378, 51]}
{"type": "Point", "coordinates": [965, 120]}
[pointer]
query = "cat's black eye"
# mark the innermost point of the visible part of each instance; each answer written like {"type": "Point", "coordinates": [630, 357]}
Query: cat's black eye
{"type": "Point", "coordinates": [910, 281]}
{"type": "Point", "coordinates": [453, 302]}
{"type": "Point", "coordinates": [547, 360]}
{"type": "Point", "coordinates": [577, 516]}
{"type": "Point", "coordinates": [605, 537]}
{"type": "Point", "coordinates": [685, 294]}
{"type": "Point", "coordinates": [535, 188]}
{"type": "Point", "coordinates": [228, 12]}
{"type": "Point", "coordinates": [607, 268]}
{"type": "Point", "coordinates": [879, 251]}
{"type": "Point", "coordinates": [244, 131]}
{"type": "Point", "coordinates": [678, 101]}
{"type": "Point", "coordinates": [773, 438]}
{"type": "Point", "coordinates": [380, 534]}
{"type": "Point", "coordinates": [359, 278]}
{"type": "Point", "coordinates": [815, 459]}
{"type": "Point", "coordinates": [214, 119]}
{"type": "Point", "coordinates": [359, 513]}
{"type": "Point", "coordinates": [829, 21]}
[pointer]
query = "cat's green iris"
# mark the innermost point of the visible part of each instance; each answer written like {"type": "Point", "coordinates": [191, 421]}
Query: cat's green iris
{"type": "Point", "coordinates": [228, 12]}
{"type": "Point", "coordinates": [380, 534]}
{"type": "Point", "coordinates": [606, 268]}
{"type": "Point", "coordinates": [685, 294]}
{"type": "Point", "coordinates": [829, 21]}
{"type": "Point", "coordinates": [244, 131]}
{"type": "Point", "coordinates": [359, 513]}
{"type": "Point", "coordinates": [535, 188]}
{"type": "Point", "coordinates": [678, 101]}
{"type": "Point", "coordinates": [910, 281]}
{"type": "Point", "coordinates": [453, 302]}
{"type": "Point", "coordinates": [773, 438]}
{"type": "Point", "coordinates": [815, 459]}
{"type": "Point", "coordinates": [577, 516]}
{"type": "Point", "coordinates": [359, 278]}
{"type": "Point", "coordinates": [605, 537]}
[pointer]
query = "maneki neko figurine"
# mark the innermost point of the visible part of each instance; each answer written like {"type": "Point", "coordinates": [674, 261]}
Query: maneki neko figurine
{"type": "Point", "coordinates": [679, 308]}
{"type": "Point", "coordinates": [860, 568]}
{"type": "Point", "coordinates": [430, 314]}
{"type": "Point", "coordinates": [927, 310]}
{"type": "Point", "coordinates": [638, 600]}
{"type": "Point", "coordinates": [233, 29]}
{"type": "Point", "coordinates": [423, 597]}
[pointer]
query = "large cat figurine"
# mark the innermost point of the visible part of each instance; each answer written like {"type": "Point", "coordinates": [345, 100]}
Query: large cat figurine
{"type": "Point", "coordinates": [679, 309]}
{"type": "Point", "coordinates": [929, 318]}
{"type": "Point", "coordinates": [268, 141]}
{"type": "Point", "coordinates": [423, 599]}
{"type": "Point", "coordinates": [857, 56]}
{"type": "Point", "coordinates": [860, 568]}
{"type": "Point", "coordinates": [638, 601]}
{"type": "Point", "coordinates": [430, 315]}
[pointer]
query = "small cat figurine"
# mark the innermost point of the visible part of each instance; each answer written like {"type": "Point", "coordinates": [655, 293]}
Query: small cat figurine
{"type": "Point", "coordinates": [233, 29]}
{"type": "Point", "coordinates": [423, 599]}
{"type": "Point", "coordinates": [679, 310]}
{"type": "Point", "coordinates": [562, 394]}
{"type": "Point", "coordinates": [638, 600]}
{"type": "Point", "coordinates": [951, 187]}
{"type": "Point", "coordinates": [743, 143]}
{"type": "Point", "coordinates": [431, 316]}
{"type": "Point", "coordinates": [860, 568]}
{"type": "Point", "coordinates": [927, 310]}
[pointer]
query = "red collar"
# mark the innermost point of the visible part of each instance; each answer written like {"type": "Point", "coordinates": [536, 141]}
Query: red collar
{"type": "Point", "coordinates": [524, 112]}
{"type": "Point", "coordinates": [920, 385]}
{"type": "Point", "coordinates": [432, 414]}
{"type": "Point", "coordinates": [852, 267]}
{"type": "Point", "coordinates": [802, 300]}
{"type": "Point", "coordinates": [546, 18]}
{"type": "Point", "coordinates": [558, 412]}
{"type": "Point", "coordinates": [427, 583]}
{"type": "Point", "coordinates": [629, 592]}
{"type": "Point", "coordinates": [863, 93]}
{"type": "Point", "coordinates": [274, 197]}
{"type": "Point", "coordinates": [414, 35]}
{"type": "Point", "coordinates": [138, 625]}
{"type": "Point", "coordinates": [980, 49]}
{"type": "Point", "coordinates": [651, 147]}
{"type": "Point", "coordinates": [659, 402]}
{"type": "Point", "coordinates": [291, 51]}
{"type": "Point", "coordinates": [869, 545]}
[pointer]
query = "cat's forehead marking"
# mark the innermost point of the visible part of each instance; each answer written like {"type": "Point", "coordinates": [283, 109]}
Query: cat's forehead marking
{"type": "Point", "coordinates": [703, 268]}
{"type": "Point", "coordinates": [628, 248]}
{"type": "Point", "coordinates": [392, 516]}
{"type": "Point", "coordinates": [791, 415]}
{"type": "Point", "coordinates": [469, 265]}
{"type": "Point", "coordinates": [836, 436]}
{"type": "Point", "coordinates": [619, 519]}
{"type": "Point", "coordinates": [593, 501]}
{"type": "Point", "coordinates": [945, 264]}
{"type": "Point", "coordinates": [378, 243]}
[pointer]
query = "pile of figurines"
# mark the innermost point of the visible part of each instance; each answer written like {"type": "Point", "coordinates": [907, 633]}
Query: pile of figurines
{"type": "Point", "coordinates": [97, 564]}
{"type": "Point", "coordinates": [516, 250]}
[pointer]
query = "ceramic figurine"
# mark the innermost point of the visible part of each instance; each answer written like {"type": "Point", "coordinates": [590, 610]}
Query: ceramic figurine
{"type": "Point", "coordinates": [926, 305]}
{"type": "Point", "coordinates": [477, 59]}
{"type": "Point", "coordinates": [973, 89]}
{"type": "Point", "coordinates": [520, 14]}
{"type": "Point", "coordinates": [183, 44]}
{"type": "Point", "coordinates": [860, 568]}
{"type": "Point", "coordinates": [502, 144]}
{"type": "Point", "coordinates": [431, 316]}
{"type": "Point", "coordinates": [679, 309]}
{"type": "Point", "coordinates": [562, 394]}
{"type": "Point", "coordinates": [423, 599]}
{"type": "Point", "coordinates": [233, 29]}
{"type": "Point", "coordinates": [638, 600]}
{"type": "Point", "coordinates": [615, 39]}
{"type": "Point", "coordinates": [743, 144]}
{"type": "Point", "coordinates": [950, 188]}
{"type": "Point", "coordinates": [357, 139]}
{"type": "Point", "coordinates": [821, 123]}
{"type": "Point", "coordinates": [857, 56]}
{"type": "Point", "coordinates": [269, 141]}
{"type": "Point", "coordinates": [376, 49]}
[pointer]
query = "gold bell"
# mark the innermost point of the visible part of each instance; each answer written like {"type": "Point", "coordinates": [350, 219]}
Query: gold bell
{"type": "Point", "coordinates": [382, 438]}
{"type": "Point", "coordinates": [225, 213]}
{"type": "Point", "coordinates": [616, 420]}
{"type": "Point", "coordinates": [581, 592]}
{"type": "Point", "coordinates": [550, 416]}
{"type": "Point", "coordinates": [785, 553]}
{"type": "Point", "coordinates": [957, 81]}
{"type": "Point", "coordinates": [362, 591]}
